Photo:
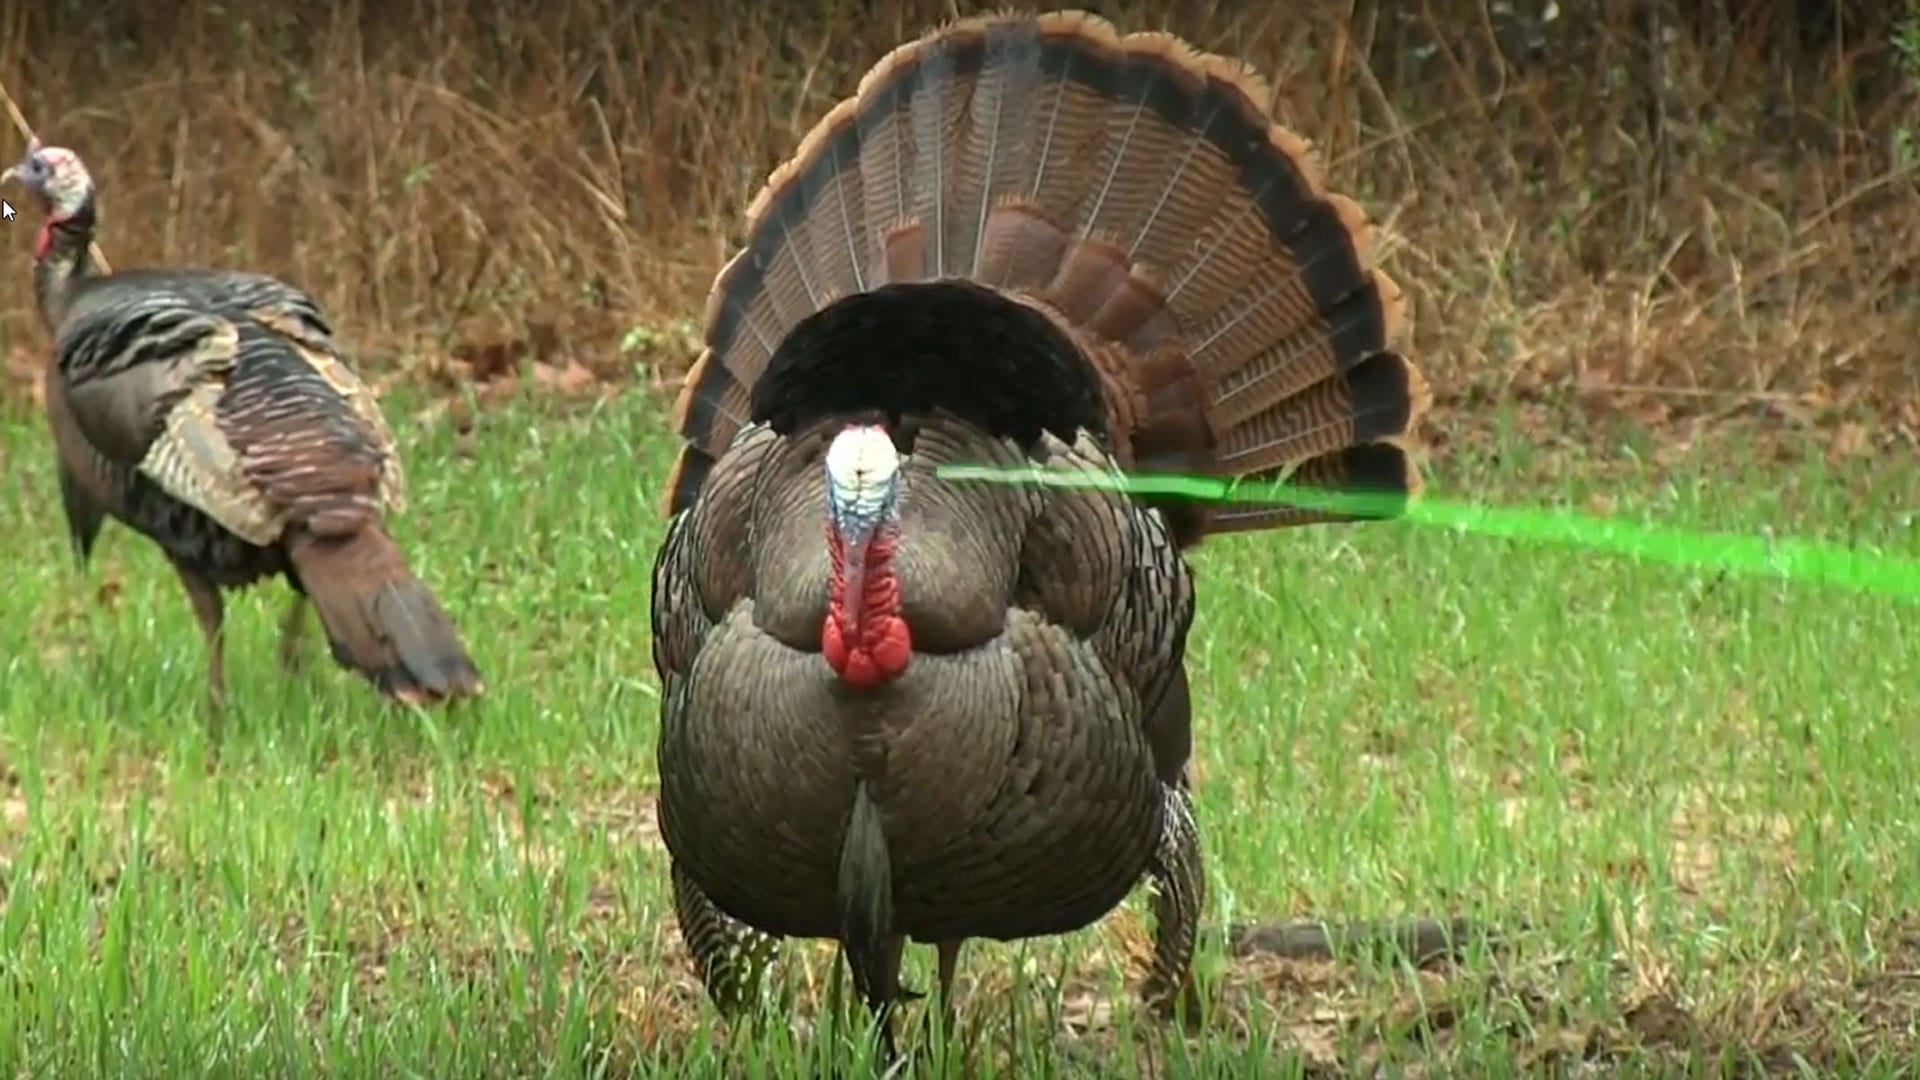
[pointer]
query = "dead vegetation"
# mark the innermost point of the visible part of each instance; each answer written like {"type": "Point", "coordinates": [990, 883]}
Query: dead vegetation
{"type": "Point", "coordinates": [1668, 211]}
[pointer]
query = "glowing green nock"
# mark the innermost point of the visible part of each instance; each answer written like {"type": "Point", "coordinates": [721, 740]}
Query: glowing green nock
{"type": "Point", "coordinates": [1797, 560]}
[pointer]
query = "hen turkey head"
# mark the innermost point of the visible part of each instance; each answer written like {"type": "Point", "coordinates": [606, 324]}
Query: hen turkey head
{"type": "Point", "coordinates": [864, 639]}
{"type": "Point", "coordinates": [58, 180]}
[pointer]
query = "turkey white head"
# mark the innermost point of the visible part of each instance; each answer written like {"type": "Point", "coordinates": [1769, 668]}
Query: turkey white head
{"type": "Point", "coordinates": [58, 180]}
{"type": "Point", "coordinates": [863, 638]}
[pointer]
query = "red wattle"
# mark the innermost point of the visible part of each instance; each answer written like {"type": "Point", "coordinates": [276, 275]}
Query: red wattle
{"type": "Point", "coordinates": [882, 648]}
{"type": "Point", "coordinates": [882, 654]}
{"type": "Point", "coordinates": [890, 645]}
{"type": "Point", "coordinates": [833, 645]}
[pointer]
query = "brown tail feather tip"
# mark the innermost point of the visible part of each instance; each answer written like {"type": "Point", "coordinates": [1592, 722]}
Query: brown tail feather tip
{"type": "Point", "coordinates": [381, 620]}
{"type": "Point", "coordinates": [1225, 295]}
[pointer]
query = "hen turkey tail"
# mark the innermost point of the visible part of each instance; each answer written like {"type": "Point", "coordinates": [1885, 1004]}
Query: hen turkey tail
{"type": "Point", "coordinates": [381, 620]}
{"type": "Point", "coordinates": [1034, 222]}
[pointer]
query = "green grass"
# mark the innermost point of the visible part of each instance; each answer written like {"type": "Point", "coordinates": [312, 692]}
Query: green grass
{"type": "Point", "coordinates": [1690, 801]}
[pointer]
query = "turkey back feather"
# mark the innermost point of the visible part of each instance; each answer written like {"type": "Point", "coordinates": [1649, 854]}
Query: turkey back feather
{"type": "Point", "coordinates": [1036, 223]}
{"type": "Point", "coordinates": [226, 393]}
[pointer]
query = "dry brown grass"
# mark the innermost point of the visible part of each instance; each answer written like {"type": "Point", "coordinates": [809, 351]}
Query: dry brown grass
{"type": "Point", "coordinates": [1730, 219]}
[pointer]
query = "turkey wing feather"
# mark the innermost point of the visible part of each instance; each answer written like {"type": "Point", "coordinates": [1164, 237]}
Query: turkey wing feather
{"type": "Point", "coordinates": [227, 393]}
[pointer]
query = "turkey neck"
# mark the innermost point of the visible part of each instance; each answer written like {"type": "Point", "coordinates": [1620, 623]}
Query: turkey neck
{"type": "Point", "coordinates": [864, 589]}
{"type": "Point", "coordinates": [864, 639]}
{"type": "Point", "coordinates": [63, 257]}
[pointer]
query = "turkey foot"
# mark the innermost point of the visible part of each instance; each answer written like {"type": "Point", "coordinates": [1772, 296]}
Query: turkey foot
{"type": "Point", "coordinates": [730, 956]}
{"type": "Point", "coordinates": [208, 612]}
{"type": "Point", "coordinates": [293, 635]}
{"type": "Point", "coordinates": [949, 952]}
{"type": "Point", "coordinates": [949, 964]}
{"type": "Point", "coordinates": [877, 980]}
{"type": "Point", "coordinates": [1179, 891]}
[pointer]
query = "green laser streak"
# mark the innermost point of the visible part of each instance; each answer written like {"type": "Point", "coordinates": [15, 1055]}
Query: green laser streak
{"type": "Point", "coordinates": [1799, 560]}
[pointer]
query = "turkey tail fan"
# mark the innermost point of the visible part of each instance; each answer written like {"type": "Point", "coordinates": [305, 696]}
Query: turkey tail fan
{"type": "Point", "coordinates": [1033, 221]}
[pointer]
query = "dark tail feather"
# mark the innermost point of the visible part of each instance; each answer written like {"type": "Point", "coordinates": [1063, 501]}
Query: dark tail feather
{"type": "Point", "coordinates": [866, 899]}
{"type": "Point", "coordinates": [380, 620]}
{"type": "Point", "coordinates": [1030, 217]}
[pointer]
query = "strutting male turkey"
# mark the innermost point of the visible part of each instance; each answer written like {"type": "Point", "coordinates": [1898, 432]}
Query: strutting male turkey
{"type": "Point", "coordinates": [896, 706]}
{"type": "Point", "coordinates": [214, 412]}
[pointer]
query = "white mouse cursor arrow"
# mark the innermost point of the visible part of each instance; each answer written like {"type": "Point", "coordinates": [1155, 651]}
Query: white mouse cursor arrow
{"type": "Point", "coordinates": [6, 210]}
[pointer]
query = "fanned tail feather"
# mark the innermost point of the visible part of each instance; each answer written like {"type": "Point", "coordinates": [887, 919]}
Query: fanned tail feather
{"type": "Point", "coordinates": [1032, 221]}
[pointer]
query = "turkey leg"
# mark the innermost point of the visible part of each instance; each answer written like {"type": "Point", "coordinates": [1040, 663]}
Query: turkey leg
{"type": "Point", "coordinates": [730, 956]}
{"type": "Point", "coordinates": [293, 634]}
{"type": "Point", "coordinates": [877, 980]}
{"type": "Point", "coordinates": [208, 611]}
{"type": "Point", "coordinates": [949, 964]}
{"type": "Point", "coordinates": [1179, 892]}
{"type": "Point", "coordinates": [949, 952]}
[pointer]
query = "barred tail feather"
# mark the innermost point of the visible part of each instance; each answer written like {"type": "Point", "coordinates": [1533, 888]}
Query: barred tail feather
{"type": "Point", "coordinates": [1033, 221]}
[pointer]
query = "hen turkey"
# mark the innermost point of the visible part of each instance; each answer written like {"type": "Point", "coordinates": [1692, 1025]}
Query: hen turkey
{"type": "Point", "coordinates": [901, 707]}
{"type": "Point", "coordinates": [214, 412]}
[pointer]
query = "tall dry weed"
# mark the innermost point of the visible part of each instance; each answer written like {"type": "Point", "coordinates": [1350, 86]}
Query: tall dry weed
{"type": "Point", "coordinates": [1679, 204]}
